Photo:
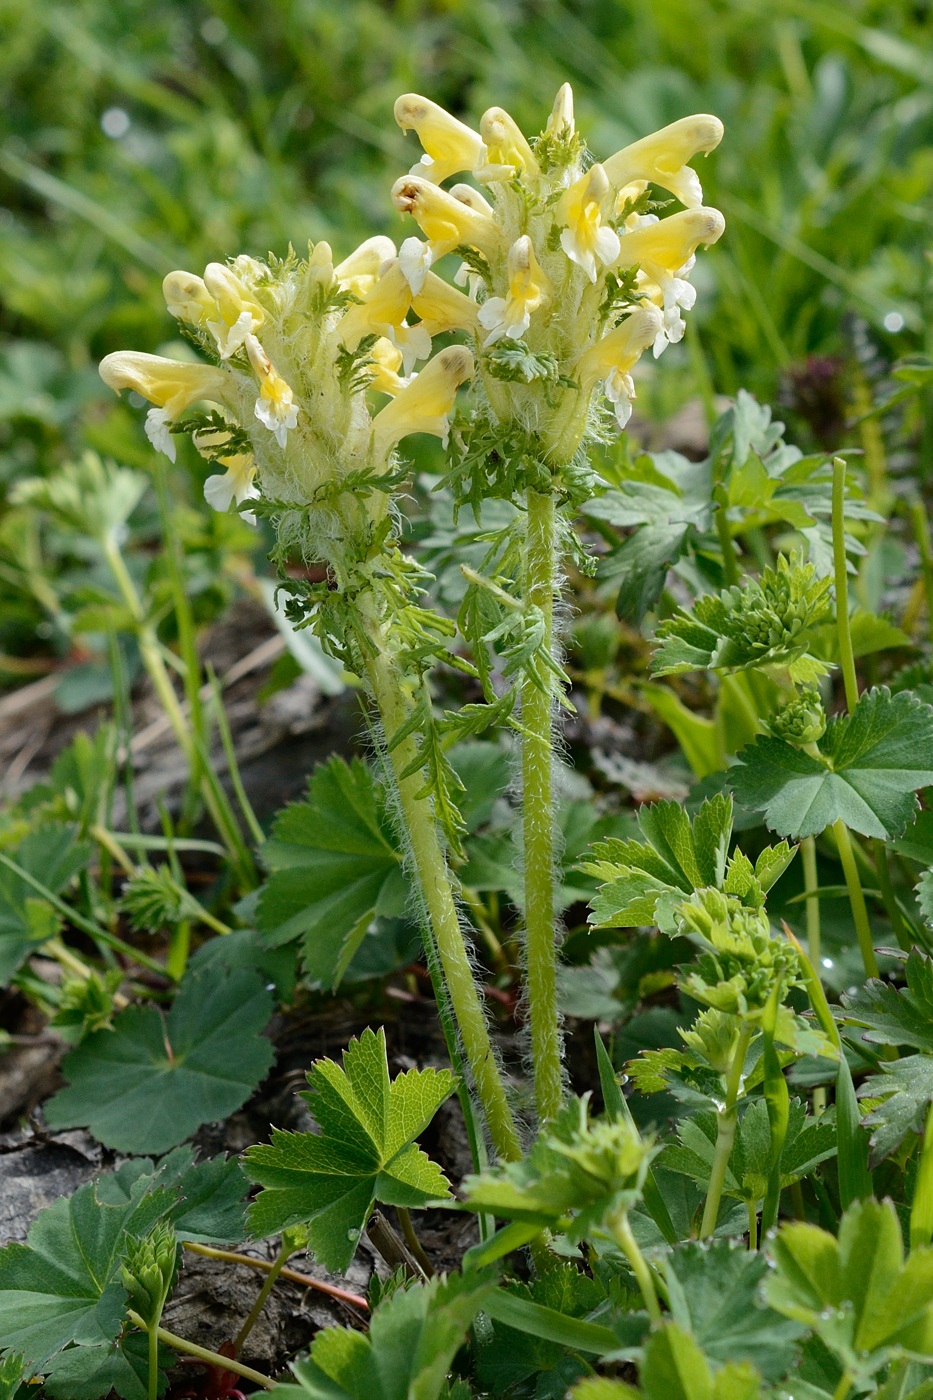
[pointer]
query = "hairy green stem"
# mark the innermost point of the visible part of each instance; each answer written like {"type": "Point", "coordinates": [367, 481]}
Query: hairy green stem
{"type": "Point", "coordinates": [625, 1239]}
{"type": "Point", "coordinates": [434, 880]}
{"type": "Point", "coordinates": [725, 1138]}
{"type": "Point", "coordinates": [278, 1264]}
{"type": "Point", "coordinates": [538, 821]}
{"type": "Point", "coordinates": [846, 655]}
{"type": "Point", "coordinates": [856, 897]}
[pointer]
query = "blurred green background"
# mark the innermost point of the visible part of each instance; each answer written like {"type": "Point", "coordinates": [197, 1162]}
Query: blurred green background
{"type": "Point", "coordinates": [139, 138]}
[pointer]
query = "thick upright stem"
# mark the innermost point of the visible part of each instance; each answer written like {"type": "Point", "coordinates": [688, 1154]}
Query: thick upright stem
{"type": "Point", "coordinates": [725, 1138]}
{"type": "Point", "coordinates": [626, 1241]}
{"type": "Point", "coordinates": [434, 880]}
{"type": "Point", "coordinates": [538, 822]}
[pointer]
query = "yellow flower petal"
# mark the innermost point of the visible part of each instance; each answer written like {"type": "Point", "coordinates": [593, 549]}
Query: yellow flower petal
{"type": "Point", "coordinates": [560, 122]}
{"type": "Point", "coordinates": [238, 314]}
{"type": "Point", "coordinates": [507, 154]}
{"type": "Point", "coordinates": [424, 406]}
{"type": "Point", "coordinates": [444, 219]}
{"type": "Point", "coordinates": [585, 239]}
{"type": "Point", "coordinates": [276, 408]}
{"type": "Point", "coordinates": [620, 349]}
{"type": "Point", "coordinates": [511, 315]}
{"type": "Point", "coordinates": [173, 385]}
{"type": "Point", "coordinates": [449, 145]}
{"type": "Point", "coordinates": [670, 243]}
{"type": "Point", "coordinates": [662, 157]}
{"type": "Point", "coordinates": [360, 271]}
{"type": "Point", "coordinates": [442, 308]}
{"type": "Point", "coordinates": [385, 304]}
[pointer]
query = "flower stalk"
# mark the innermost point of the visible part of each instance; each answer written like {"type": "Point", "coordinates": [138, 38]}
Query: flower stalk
{"type": "Point", "coordinates": [727, 1118]}
{"type": "Point", "coordinates": [538, 818]}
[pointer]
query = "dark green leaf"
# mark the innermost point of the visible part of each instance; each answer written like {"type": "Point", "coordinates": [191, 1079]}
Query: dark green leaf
{"type": "Point", "coordinates": [333, 866]}
{"type": "Point", "coordinates": [872, 763]}
{"type": "Point", "coordinates": [54, 855]}
{"type": "Point", "coordinates": [153, 1080]}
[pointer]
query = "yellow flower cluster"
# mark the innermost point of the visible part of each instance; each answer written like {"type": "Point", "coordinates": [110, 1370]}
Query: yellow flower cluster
{"type": "Point", "coordinates": [299, 344]}
{"type": "Point", "coordinates": [563, 256]}
{"type": "Point", "coordinates": [562, 262]}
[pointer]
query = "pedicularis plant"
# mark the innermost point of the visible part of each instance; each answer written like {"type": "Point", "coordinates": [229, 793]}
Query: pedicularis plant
{"type": "Point", "coordinates": [657, 1262]}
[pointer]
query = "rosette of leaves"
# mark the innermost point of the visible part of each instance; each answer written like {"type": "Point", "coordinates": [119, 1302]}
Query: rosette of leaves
{"type": "Point", "coordinates": [646, 880]}
{"type": "Point", "coordinates": [765, 623]}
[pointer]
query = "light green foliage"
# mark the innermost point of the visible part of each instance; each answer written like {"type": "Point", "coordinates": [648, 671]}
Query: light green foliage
{"type": "Point", "coordinates": [63, 1286]}
{"type": "Point", "coordinates": [152, 1080]}
{"type": "Point", "coordinates": [364, 1152]}
{"type": "Point", "coordinates": [577, 1175]}
{"type": "Point", "coordinates": [413, 1338]}
{"type": "Point", "coordinates": [857, 1293]}
{"type": "Point", "coordinates": [871, 763]}
{"type": "Point", "coordinates": [334, 866]}
{"type": "Point", "coordinates": [63, 1294]}
{"type": "Point", "coordinates": [807, 1143]}
{"type": "Point", "coordinates": [53, 855]}
{"type": "Point", "coordinates": [153, 899]}
{"type": "Point", "coordinates": [673, 1367]}
{"type": "Point", "coordinates": [766, 623]}
{"type": "Point", "coordinates": [509, 1356]}
{"type": "Point", "coordinates": [740, 962]}
{"type": "Point", "coordinates": [646, 880]}
{"type": "Point", "coordinates": [801, 721]}
{"type": "Point", "coordinates": [714, 1292]}
{"type": "Point", "coordinates": [86, 1004]}
{"type": "Point", "coordinates": [90, 496]}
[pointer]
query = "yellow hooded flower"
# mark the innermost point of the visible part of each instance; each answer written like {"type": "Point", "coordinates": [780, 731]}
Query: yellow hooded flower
{"type": "Point", "coordinates": [360, 271]}
{"type": "Point", "coordinates": [385, 361]}
{"type": "Point", "coordinates": [449, 145]}
{"type": "Point", "coordinates": [662, 157]}
{"type": "Point", "coordinates": [506, 153]}
{"type": "Point", "coordinates": [442, 308]}
{"type": "Point", "coordinates": [511, 315]}
{"type": "Point", "coordinates": [275, 408]}
{"type": "Point", "coordinates": [425, 404]}
{"type": "Point", "coordinates": [611, 359]}
{"type": "Point", "coordinates": [171, 385]}
{"type": "Point", "coordinates": [664, 251]}
{"type": "Point", "coordinates": [238, 315]}
{"type": "Point", "coordinates": [445, 220]}
{"type": "Point", "coordinates": [560, 122]}
{"type": "Point", "coordinates": [236, 483]}
{"type": "Point", "coordinates": [586, 239]}
{"type": "Point", "coordinates": [383, 312]}
{"type": "Point", "coordinates": [188, 299]}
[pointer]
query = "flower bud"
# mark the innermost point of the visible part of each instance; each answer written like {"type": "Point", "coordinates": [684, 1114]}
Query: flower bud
{"type": "Point", "coordinates": [507, 154]}
{"type": "Point", "coordinates": [360, 271]}
{"type": "Point", "coordinates": [238, 315]}
{"type": "Point", "coordinates": [662, 157]}
{"type": "Point", "coordinates": [560, 122]}
{"type": "Point", "coordinates": [188, 299]}
{"type": "Point", "coordinates": [444, 219]}
{"type": "Point", "coordinates": [424, 406]}
{"type": "Point", "coordinates": [449, 145]}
